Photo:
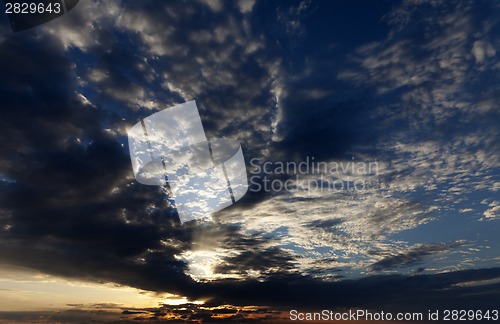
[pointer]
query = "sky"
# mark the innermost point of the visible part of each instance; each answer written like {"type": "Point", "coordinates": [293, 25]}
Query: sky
{"type": "Point", "coordinates": [411, 87]}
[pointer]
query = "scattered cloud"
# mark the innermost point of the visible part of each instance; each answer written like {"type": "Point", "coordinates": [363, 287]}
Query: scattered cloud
{"type": "Point", "coordinates": [421, 102]}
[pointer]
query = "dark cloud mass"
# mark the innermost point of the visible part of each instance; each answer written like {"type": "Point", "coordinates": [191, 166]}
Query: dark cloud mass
{"type": "Point", "coordinates": [418, 93]}
{"type": "Point", "coordinates": [413, 256]}
{"type": "Point", "coordinates": [70, 206]}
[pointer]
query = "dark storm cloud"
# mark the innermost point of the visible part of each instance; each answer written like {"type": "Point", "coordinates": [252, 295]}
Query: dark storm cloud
{"type": "Point", "coordinates": [379, 292]}
{"type": "Point", "coordinates": [266, 261]}
{"type": "Point", "coordinates": [387, 293]}
{"type": "Point", "coordinates": [70, 206]}
{"type": "Point", "coordinates": [320, 126]}
{"type": "Point", "coordinates": [327, 224]}
{"type": "Point", "coordinates": [319, 119]}
{"type": "Point", "coordinates": [414, 255]}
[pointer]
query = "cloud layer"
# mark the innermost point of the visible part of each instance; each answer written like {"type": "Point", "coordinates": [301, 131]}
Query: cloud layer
{"type": "Point", "coordinates": [419, 98]}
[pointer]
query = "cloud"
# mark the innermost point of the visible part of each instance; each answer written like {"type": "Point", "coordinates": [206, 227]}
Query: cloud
{"type": "Point", "coordinates": [449, 138]}
{"type": "Point", "coordinates": [71, 208]}
{"type": "Point", "coordinates": [482, 50]}
{"type": "Point", "coordinates": [420, 293]}
{"type": "Point", "coordinates": [493, 212]}
{"type": "Point", "coordinates": [414, 255]}
{"type": "Point", "coordinates": [376, 292]}
{"type": "Point", "coordinates": [413, 109]}
{"type": "Point", "coordinates": [246, 6]}
{"type": "Point", "coordinates": [291, 17]}
{"type": "Point", "coordinates": [415, 102]}
{"type": "Point", "coordinates": [65, 121]}
{"type": "Point", "coordinates": [215, 5]}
